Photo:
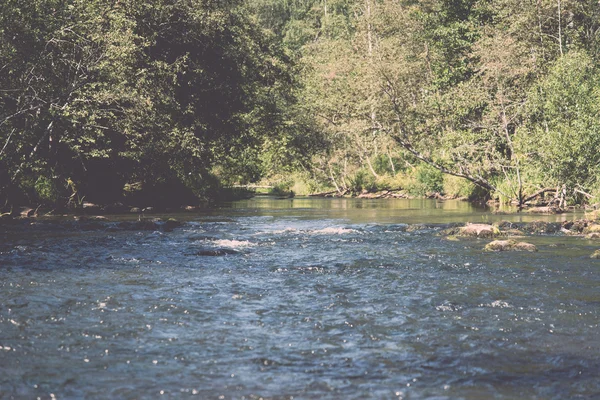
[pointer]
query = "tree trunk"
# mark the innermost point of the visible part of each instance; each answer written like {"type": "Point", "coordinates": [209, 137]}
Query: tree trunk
{"type": "Point", "coordinates": [560, 39]}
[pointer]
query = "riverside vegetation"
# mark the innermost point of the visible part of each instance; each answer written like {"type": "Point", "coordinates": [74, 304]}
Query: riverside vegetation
{"type": "Point", "coordinates": [168, 102]}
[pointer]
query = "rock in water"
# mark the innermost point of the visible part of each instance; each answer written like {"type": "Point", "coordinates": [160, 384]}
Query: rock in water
{"type": "Point", "coordinates": [217, 252]}
{"type": "Point", "coordinates": [479, 230]}
{"type": "Point", "coordinates": [171, 224]}
{"type": "Point", "coordinates": [593, 228]}
{"type": "Point", "coordinates": [509, 245]}
{"type": "Point", "coordinates": [524, 246]}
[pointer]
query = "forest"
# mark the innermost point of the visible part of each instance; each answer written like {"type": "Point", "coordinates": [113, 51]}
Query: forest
{"type": "Point", "coordinates": [169, 102]}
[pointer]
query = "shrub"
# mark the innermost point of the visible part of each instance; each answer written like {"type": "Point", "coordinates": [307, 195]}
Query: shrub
{"type": "Point", "coordinates": [282, 188]}
{"type": "Point", "coordinates": [458, 187]}
{"type": "Point", "coordinates": [363, 180]}
{"type": "Point", "coordinates": [46, 190]}
{"type": "Point", "coordinates": [426, 180]}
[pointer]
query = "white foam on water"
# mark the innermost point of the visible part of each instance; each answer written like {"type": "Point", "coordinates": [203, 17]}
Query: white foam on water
{"type": "Point", "coordinates": [285, 230]}
{"type": "Point", "coordinates": [497, 304]}
{"type": "Point", "coordinates": [234, 244]}
{"type": "Point", "coordinates": [277, 232]}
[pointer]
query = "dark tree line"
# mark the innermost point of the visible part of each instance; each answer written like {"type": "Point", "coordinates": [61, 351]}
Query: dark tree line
{"type": "Point", "coordinates": [166, 98]}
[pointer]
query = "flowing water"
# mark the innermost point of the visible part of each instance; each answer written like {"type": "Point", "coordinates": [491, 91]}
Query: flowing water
{"type": "Point", "coordinates": [301, 298]}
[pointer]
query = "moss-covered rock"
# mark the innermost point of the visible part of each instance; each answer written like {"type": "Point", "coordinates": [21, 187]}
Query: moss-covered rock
{"type": "Point", "coordinates": [479, 230]}
{"type": "Point", "coordinates": [595, 255]}
{"type": "Point", "coordinates": [524, 246]}
{"type": "Point", "coordinates": [593, 215]}
{"type": "Point", "coordinates": [509, 245]}
{"type": "Point", "coordinates": [592, 228]}
{"type": "Point", "coordinates": [541, 227]}
{"type": "Point", "coordinates": [513, 232]}
{"type": "Point", "coordinates": [576, 226]}
{"type": "Point", "coordinates": [415, 228]}
{"type": "Point", "coordinates": [504, 224]}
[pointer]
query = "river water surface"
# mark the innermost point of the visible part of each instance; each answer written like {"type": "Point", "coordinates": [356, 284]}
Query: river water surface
{"type": "Point", "coordinates": [300, 298]}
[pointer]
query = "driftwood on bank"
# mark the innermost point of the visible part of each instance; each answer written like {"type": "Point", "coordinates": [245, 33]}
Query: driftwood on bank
{"type": "Point", "coordinates": [333, 193]}
{"type": "Point", "coordinates": [589, 196]}
{"type": "Point", "coordinates": [538, 193]}
{"type": "Point", "coordinates": [546, 210]}
{"type": "Point", "coordinates": [323, 194]}
{"type": "Point", "coordinates": [384, 194]}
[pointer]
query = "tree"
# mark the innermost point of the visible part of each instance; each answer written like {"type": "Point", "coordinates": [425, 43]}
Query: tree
{"type": "Point", "coordinates": [101, 93]}
{"type": "Point", "coordinates": [562, 130]}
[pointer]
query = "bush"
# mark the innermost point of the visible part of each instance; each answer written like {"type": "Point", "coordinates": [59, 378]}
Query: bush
{"type": "Point", "coordinates": [362, 180]}
{"type": "Point", "coordinates": [382, 165]}
{"type": "Point", "coordinates": [458, 187]}
{"type": "Point", "coordinates": [46, 190]}
{"type": "Point", "coordinates": [282, 189]}
{"type": "Point", "coordinates": [426, 180]}
{"type": "Point", "coordinates": [305, 187]}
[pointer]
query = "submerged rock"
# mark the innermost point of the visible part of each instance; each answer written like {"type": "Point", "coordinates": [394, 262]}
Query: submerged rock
{"type": "Point", "coordinates": [217, 252]}
{"type": "Point", "coordinates": [141, 225]}
{"type": "Point", "coordinates": [479, 230]}
{"type": "Point", "coordinates": [542, 227]}
{"type": "Point", "coordinates": [171, 224]}
{"type": "Point", "coordinates": [576, 226]}
{"type": "Point", "coordinates": [509, 245]}
{"type": "Point", "coordinates": [415, 227]}
{"type": "Point", "coordinates": [504, 224]}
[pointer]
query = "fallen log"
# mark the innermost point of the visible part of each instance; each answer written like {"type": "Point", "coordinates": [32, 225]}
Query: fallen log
{"type": "Point", "coordinates": [589, 196]}
{"type": "Point", "coordinates": [323, 194]}
{"type": "Point", "coordinates": [538, 193]}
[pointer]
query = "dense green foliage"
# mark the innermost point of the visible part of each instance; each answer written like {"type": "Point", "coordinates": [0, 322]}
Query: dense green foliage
{"type": "Point", "coordinates": [169, 100]}
{"type": "Point", "coordinates": [170, 97]}
{"type": "Point", "coordinates": [499, 93]}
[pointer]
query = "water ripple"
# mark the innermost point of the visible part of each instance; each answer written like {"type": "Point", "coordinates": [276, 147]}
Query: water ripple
{"type": "Point", "coordinates": [304, 309]}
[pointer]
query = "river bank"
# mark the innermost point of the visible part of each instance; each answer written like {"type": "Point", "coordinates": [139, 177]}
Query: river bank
{"type": "Point", "coordinates": [148, 208]}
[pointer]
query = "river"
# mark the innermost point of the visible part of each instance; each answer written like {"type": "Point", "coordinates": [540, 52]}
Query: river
{"type": "Point", "coordinates": [297, 298]}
